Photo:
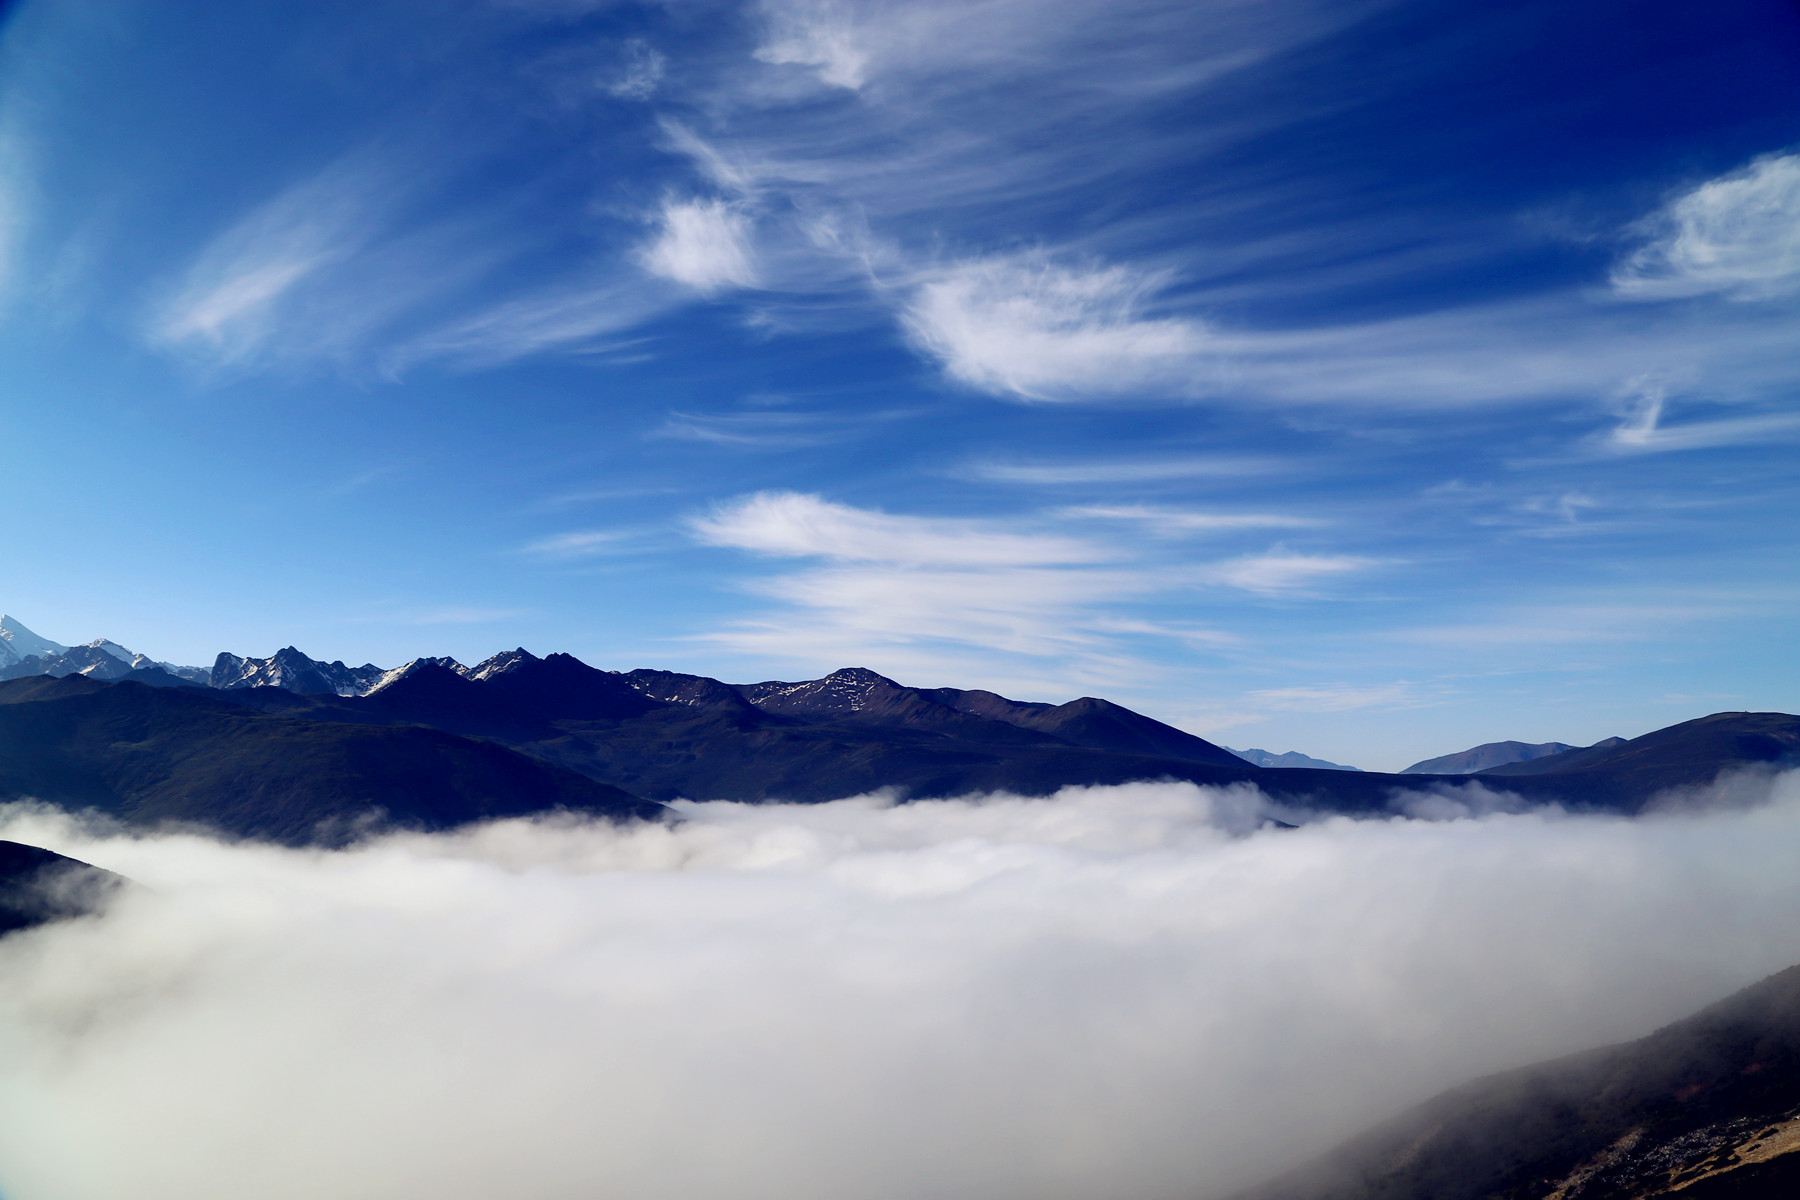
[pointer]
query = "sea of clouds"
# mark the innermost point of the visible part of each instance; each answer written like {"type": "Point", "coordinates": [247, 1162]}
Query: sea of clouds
{"type": "Point", "coordinates": [1117, 993]}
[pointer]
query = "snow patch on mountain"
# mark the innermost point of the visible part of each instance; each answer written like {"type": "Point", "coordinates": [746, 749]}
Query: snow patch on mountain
{"type": "Point", "coordinates": [18, 642]}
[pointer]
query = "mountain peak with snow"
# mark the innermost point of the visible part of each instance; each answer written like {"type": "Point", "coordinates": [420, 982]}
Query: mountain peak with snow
{"type": "Point", "coordinates": [18, 642]}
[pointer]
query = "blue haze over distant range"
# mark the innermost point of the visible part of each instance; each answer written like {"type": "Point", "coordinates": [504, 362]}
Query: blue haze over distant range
{"type": "Point", "coordinates": [1372, 379]}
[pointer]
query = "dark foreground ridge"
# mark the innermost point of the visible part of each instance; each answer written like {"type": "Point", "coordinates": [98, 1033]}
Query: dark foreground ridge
{"type": "Point", "coordinates": [39, 886]}
{"type": "Point", "coordinates": [1705, 1109]}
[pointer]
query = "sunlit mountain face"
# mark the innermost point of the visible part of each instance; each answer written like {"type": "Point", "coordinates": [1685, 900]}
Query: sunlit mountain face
{"type": "Point", "coordinates": [1278, 370]}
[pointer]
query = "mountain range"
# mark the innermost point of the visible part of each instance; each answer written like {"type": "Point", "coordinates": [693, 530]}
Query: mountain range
{"type": "Point", "coordinates": [292, 749]}
{"type": "Point", "coordinates": [1288, 760]}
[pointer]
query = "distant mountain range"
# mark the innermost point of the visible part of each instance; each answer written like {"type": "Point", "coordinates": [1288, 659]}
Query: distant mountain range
{"type": "Point", "coordinates": [292, 749]}
{"type": "Point", "coordinates": [24, 653]}
{"type": "Point", "coordinates": [1289, 760]}
{"type": "Point", "coordinates": [1705, 1109]}
{"type": "Point", "coordinates": [1489, 755]}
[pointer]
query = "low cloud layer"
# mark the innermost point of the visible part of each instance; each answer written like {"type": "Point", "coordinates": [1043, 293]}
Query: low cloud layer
{"type": "Point", "coordinates": [1103, 995]}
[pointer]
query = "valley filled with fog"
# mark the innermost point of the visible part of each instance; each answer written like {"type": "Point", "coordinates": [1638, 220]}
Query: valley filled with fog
{"type": "Point", "coordinates": [1132, 992]}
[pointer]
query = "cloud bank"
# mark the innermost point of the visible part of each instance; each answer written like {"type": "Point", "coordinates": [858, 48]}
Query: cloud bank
{"type": "Point", "coordinates": [1101, 995]}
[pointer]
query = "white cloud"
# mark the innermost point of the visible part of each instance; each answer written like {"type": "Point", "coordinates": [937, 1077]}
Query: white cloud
{"type": "Point", "coordinates": [703, 244]}
{"type": "Point", "coordinates": [1029, 328]}
{"type": "Point", "coordinates": [935, 593]}
{"type": "Point", "coordinates": [229, 299]}
{"type": "Point", "coordinates": [576, 544]}
{"type": "Point", "coordinates": [1336, 697]}
{"type": "Point", "coordinates": [1099, 995]}
{"type": "Point", "coordinates": [817, 35]}
{"type": "Point", "coordinates": [1642, 430]}
{"type": "Point", "coordinates": [16, 190]}
{"type": "Point", "coordinates": [921, 593]}
{"type": "Point", "coordinates": [1172, 522]}
{"type": "Point", "coordinates": [1738, 235]}
{"type": "Point", "coordinates": [1278, 571]}
{"type": "Point", "coordinates": [798, 525]}
{"type": "Point", "coordinates": [644, 67]}
{"type": "Point", "coordinates": [1125, 470]}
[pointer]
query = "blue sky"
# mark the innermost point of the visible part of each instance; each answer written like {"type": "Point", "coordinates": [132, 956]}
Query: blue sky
{"type": "Point", "coordinates": [1366, 378]}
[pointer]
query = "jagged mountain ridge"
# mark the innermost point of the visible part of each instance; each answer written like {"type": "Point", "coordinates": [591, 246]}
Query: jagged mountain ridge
{"type": "Point", "coordinates": [23, 653]}
{"type": "Point", "coordinates": [667, 735]}
{"type": "Point", "coordinates": [664, 734]}
{"type": "Point", "coordinates": [146, 756]}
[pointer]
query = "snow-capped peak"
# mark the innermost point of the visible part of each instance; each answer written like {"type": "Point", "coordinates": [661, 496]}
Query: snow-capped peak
{"type": "Point", "coordinates": [402, 671]}
{"type": "Point", "coordinates": [113, 648]}
{"type": "Point", "coordinates": [17, 642]}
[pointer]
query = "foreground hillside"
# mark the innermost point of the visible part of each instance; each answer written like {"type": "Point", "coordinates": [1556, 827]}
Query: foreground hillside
{"type": "Point", "coordinates": [38, 886]}
{"type": "Point", "coordinates": [1705, 1109]}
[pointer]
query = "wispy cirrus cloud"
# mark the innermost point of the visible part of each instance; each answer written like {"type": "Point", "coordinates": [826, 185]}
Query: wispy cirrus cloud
{"type": "Point", "coordinates": [924, 592]}
{"type": "Point", "coordinates": [793, 524]}
{"type": "Point", "coordinates": [579, 543]}
{"type": "Point", "coordinates": [1737, 235]}
{"type": "Point", "coordinates": [1078, 472]}
{"type": "Point", "coordinates": [1172, 522]}
{"type": "Point", "coordinates": [1279, 572]}
{"type": "Point", "coordinates": [1644, 430]}
{"type": "Point", "coordinates": [1338, 697]}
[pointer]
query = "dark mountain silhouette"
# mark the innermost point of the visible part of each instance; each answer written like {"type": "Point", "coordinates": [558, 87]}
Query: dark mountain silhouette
{"type": "Point", "coordinates": [664, 734]}
{"type": "Point", "coordinates": [1488, 754]}
{"type": "Point", "coordinates": [1290, 759]}
{"type": "Point", "coordinates": [290, 669]}
{"type": "Point", "coordinates": [38, 886]}
{"type": "Point", "coordinates": [1688, 755]}
{"type": "Point", "coordinates": [428, 750]}
{"type": "Point", "coordinates": [1703, 1109]}
{"type": "Point", "coordinates": [147, 756]}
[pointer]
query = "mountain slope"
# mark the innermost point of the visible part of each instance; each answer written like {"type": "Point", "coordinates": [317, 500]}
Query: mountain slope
{"type": "Point", "coordinates": [17, 642]}
{"type": "Point", "coordinates": [38, 886]}
{"type": "Point", "coordinates": [1708, 1107]}
{"type": "Point", "coordinates": [153, 755]}
{"type": "Point", "coordinates": [664, 735]}
{"type": "Point", "coordinates": [1685, 756]}
{"type": "Point", "coordinates": [1290, 760]}
{"type": "Point", "coordinates": [1488, 754]}
{"type": "Point", "coordinates": [288, 668]}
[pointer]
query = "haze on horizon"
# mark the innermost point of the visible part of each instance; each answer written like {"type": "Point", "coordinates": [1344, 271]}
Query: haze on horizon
{"type": "Point", "coordinates": [1372, 378]}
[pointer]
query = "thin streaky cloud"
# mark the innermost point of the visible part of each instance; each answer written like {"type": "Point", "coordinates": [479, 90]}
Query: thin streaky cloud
{"type": "Point", "coordinates": [1339, 697]}
{"type": "Point", "coordinates": [580, 543]}
{"type": "Point", "coordinates": [792, 524]}
{"type": "Point", "coordinates": [1140, 470]}
{"type": "Point", "coordinates": [1279, 572]}
{"type": "Point", "coordinates": [1174, 522]}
